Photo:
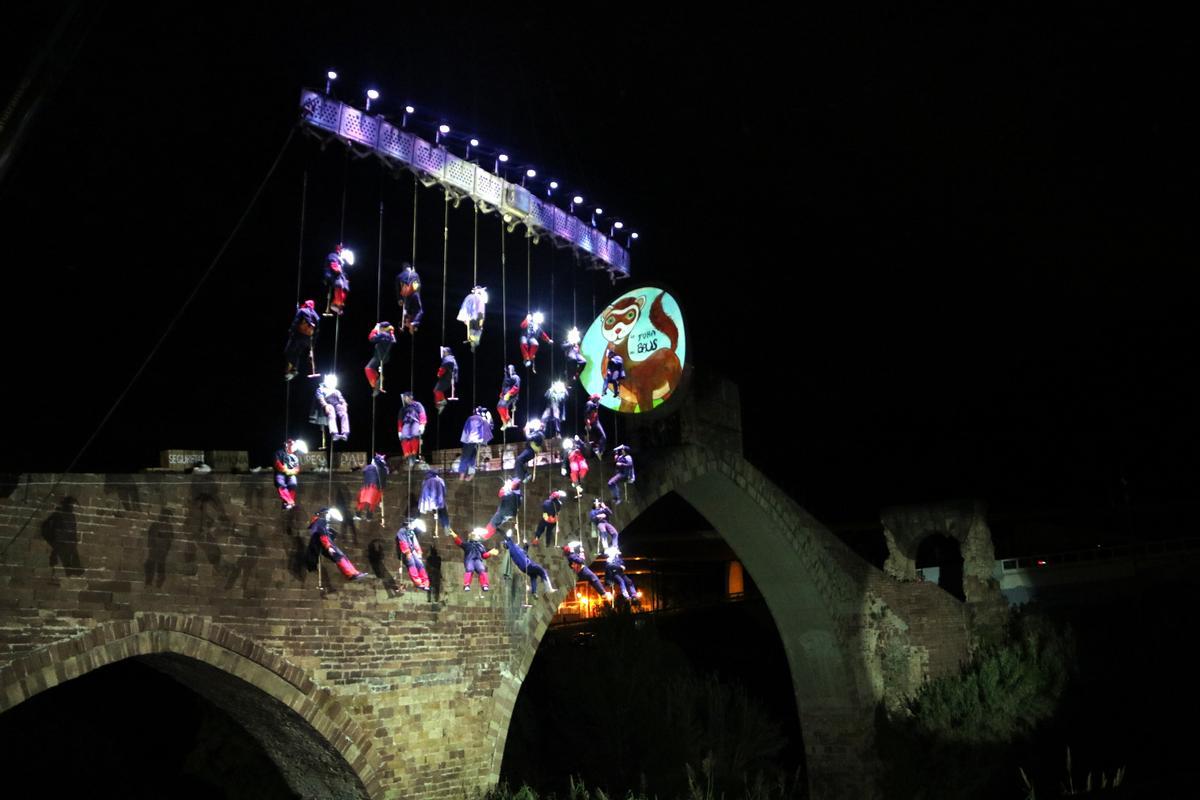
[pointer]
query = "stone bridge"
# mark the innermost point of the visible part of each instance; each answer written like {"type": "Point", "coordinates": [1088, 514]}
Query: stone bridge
{"type": "Point", "coordinates": [406, 694]}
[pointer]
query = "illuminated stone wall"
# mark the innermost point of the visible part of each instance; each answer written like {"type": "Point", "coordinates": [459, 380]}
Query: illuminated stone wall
{"type": "Point", "coordinates": [415, 692]}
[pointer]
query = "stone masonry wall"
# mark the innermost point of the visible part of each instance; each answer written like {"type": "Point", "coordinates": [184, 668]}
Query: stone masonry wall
{"type": "Point", "coordinates": [421, 687]}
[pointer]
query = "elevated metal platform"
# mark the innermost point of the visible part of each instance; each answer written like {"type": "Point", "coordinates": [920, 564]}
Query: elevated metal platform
{"type": "Point", "coordinates": [433, 164]}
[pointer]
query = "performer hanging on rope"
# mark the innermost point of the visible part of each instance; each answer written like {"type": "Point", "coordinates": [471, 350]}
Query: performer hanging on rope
{"type": "Point", "coordinates": [411, 427]}
{"type": "Point", "coordinates": [577, 558]}
{"type": "Point", "coordinates": [575, 464]}
{"type": "Point", "coordinates": [553, 413]}
{"type": "Point", "coordinates": [474, 307]}
{"type": "Point", "coordinates": [408, 295]}
{"type": "Point", "coordinates": [593, 429]}
{"type": "Point", "coordinates": [383, 336]}
{"type": "Point", "coordinates": [507, 407]}
{"type": "Point", "coordinates": [573, 353]}
{"type": "Point", "coordinates": [433, 499]}
{"type": "Point", "coordinates": [624, 472]}
{"type": "Point", "coordinates": [337, 264]}
{"type": "Point", "coordinates": [614, 372]}
{"type": "Point", "coordinates": [330, 408]}
{"type": "Point", "coordinates": [525, 564]}
{"type": "Point", "coordinates": [548, 524]}
{"type": "Point", "coordinates": [531, 331]}
{"type": "Point", "coordinates": [535, 442]}
{"type": "Point", "coordinates": [374, 481]}
{"type": "Point", "coordinates": [321, 537]}
{"type": "Point", "coordinates": [447, 379]}
{"type": "Point", "coordinates": [473, 556]}
{"type": "Point", "coordinates": [601, 519]}
{"type": "Point", "coordinates": [614, 575]}
{"type": "Point", "coordinates": [287, 467]}
{"type": "Point", "coordinates": [510, 504]}
{"type": "Point", "coordinates": [300, 339]}
{"type": "Point", "coordinates": [476, 431]}
{"type": "Point", "coordinates": [408, 550]}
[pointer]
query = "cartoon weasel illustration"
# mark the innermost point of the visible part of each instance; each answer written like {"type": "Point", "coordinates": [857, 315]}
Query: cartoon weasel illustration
{"type": "Point", "coordinates": [654, 376]}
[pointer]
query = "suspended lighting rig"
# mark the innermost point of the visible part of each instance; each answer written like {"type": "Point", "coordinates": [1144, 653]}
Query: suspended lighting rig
{"type": "Point", "coordinates": [367, 134]}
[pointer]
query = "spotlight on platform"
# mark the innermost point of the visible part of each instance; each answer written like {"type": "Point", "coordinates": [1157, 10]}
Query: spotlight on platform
{"type": "Point", "coordinates": [442, 130]}
{"type": "Point", "coordinates": [616, 226]}
{"type": "Point", "coordinates": [371, 95]}
{"type": "Point", "coordinates": [404, 120]}
{"type": "Point", "coordinates": [551, 187]}
{"type": "Point", "coordinates": [500, 159]}
{"type": "Point", "coordinates": [529, 173]}
{"type": "Point", "coordinates": [577, 200]}
{"type": "Point", "coordinates": [473, 143]}
{"type": "Point", "coordinates": [596, 212]}
{"type": "Point", "coordinates": [330, 77]}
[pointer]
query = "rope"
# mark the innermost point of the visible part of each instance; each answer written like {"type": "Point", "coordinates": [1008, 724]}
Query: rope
{"type": "Point", "coordinates": [437, 425]}
{"type": "Point", "coordinates": [504, 329]}
{"type": "Point", "coordinates": [378, 309]}
{"type": "Point", "coordinates": [183, 307]}
{"type": "Point", "coordinates": [412, 351]}
{"type": "Point", "coordinates": [287, 396]}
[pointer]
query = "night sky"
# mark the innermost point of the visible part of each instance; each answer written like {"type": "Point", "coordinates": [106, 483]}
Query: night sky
{"type": "Point", "coordinates": [943, 254]}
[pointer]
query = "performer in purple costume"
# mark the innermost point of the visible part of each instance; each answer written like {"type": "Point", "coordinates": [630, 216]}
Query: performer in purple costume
{"type": "Point", "coordinates": [476, 431]}
{"type": "Point", "coordinates": [408, 550]}
{"type": "Point", "coordinates": [548, 524]}
{"type": "Point", "coordinates": [433, 499]}
{"type": "Point", "coordinates": [525, 564]}
{"type": "Point", "coordinates": [578, 560]}
{"type": "Point", "coordinates": [614, 574]}
{"type": "Point", "coordinates": [330, 408]}
{"type": "Point", "coordinates": [472, 312]}
{"type": "Point", "coordinates": [300, 337]}
{"type": "Point", "coordinates": [624, 472]}
{"type": "Point", "coordinates": [601, 518]}
{"type": "Point", "coordinates": [383, 336]}
{"type": "Point", "coordinates": [510, 503]}
{"type": "Point", "coordinates": [473, 557]}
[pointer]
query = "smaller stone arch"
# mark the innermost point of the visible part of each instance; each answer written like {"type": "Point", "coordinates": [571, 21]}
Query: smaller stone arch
{"type": "Point", "coordinates": [185, 647]}
{"type": "Point", "coordinates": [965, 521]}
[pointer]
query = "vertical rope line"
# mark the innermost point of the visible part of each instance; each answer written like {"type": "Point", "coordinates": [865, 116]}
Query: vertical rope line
{"type": "Point", "coordinates": [504, 328]}
{"type": "Point", "coordinates": [474, 283]}
{"type": "Point", "coordinates": [528, 380]}
{"type": "Point", "coordinates": [287, 397]}
{"type": "Point", "coordinates": [437, 425]}
{"type": "Point", "coordinates": [445, 259]}
{"type": "Point", "coordinates": [378, 308]}
{"type": "Point", "coordinates": [412, 348]}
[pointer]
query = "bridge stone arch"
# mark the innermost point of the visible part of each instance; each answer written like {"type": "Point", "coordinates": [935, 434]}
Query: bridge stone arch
{"type": "Point", "coordinates": [813, 597]}
{"type": "Point", "coordinates": [234, 674]}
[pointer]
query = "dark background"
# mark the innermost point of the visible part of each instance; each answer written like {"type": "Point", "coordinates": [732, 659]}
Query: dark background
{"type": "Point", "coordinates": [943, 253]}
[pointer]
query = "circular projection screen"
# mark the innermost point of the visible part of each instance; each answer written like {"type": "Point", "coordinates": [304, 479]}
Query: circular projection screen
{"type": "Point", "coordinates": [645, 328]}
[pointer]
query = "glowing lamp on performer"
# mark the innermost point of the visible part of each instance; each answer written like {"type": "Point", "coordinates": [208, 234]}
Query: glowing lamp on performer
{"type": "Point", "coordinates": [330, 381]}
{"type": "Point", "coordinates": [573, 336]}
{"type": "Point", "coordinates": [299, 446]}
{"type": "Point", "coordinates": [347, 255]}
{"type": "Point", "coordinates": [539, 317]}
{"type": "Point", "coordinates": [417, 525]}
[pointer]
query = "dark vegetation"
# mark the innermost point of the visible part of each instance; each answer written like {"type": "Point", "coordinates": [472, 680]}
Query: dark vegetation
{"type": "Point", "coordinates": [620, 707]}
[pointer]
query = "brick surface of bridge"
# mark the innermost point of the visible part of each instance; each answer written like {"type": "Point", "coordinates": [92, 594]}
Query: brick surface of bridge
{"type": "Point", "coordinates": [410, 695]}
